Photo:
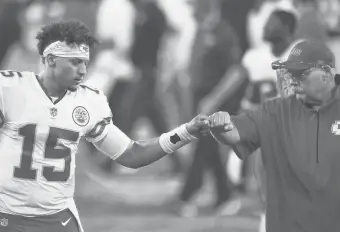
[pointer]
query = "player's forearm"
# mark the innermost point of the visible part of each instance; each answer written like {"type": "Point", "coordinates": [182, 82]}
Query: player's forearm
{"type": "Point", "coordinates": [142, 153]}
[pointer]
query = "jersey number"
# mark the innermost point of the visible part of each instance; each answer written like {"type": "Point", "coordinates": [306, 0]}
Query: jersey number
{"type": "Point", "coordinates": [53, 150]}
{"type": "Point", "coordinates": [10, 73]}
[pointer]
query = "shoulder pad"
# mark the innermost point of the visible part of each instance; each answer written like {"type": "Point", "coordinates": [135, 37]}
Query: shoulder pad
{"type": "Point", "coordinates": [90, 88]}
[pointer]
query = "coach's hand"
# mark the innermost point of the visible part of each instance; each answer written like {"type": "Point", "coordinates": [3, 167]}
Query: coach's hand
{"type": "Point", "coordinates": [220, 122]}
{"type": "Point", "coordinates": [198, 126]}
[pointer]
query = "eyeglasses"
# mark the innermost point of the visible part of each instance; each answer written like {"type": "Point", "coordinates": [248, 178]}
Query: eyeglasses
{"type": "Point", "coordinates": [296, 66]}
{"type": "Point", "coordinates": [296, 70]}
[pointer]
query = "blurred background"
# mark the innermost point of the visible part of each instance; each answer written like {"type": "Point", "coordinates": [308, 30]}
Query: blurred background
{"type": "Point", "coordinates": [161, 62]}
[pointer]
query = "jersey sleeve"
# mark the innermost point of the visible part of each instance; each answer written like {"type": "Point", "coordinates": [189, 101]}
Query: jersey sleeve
{"type": "Point", "coordinates": [102, 118]}
{"type": "Point", "coordinates": [8, 78]}
{"type": "Point", "coordinates": [115, 142]}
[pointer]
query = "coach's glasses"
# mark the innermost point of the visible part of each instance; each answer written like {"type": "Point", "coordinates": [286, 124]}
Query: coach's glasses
{"type": "Point", "coordinates": [297, 70]}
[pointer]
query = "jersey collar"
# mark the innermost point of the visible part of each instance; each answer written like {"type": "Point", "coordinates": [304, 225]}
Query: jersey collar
{"type": "Point", "coordinates": [46, 92]}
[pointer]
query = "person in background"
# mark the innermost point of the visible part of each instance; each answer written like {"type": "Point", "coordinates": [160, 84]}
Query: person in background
{"type": "Point", "coordinates": [219, 82]}
{"type": "Point", "coordinates": [173, 76]}
{"type": "Point", "coordinates": [236, 12]}
{"type": "Point", "coordinates": [9, 24]}
{"type": "Point", "coordinates": [31, 18]}
{"type": "Point", "coordinates": [311, 24]}
{"type": "Point", "coordinates": [258, 17]}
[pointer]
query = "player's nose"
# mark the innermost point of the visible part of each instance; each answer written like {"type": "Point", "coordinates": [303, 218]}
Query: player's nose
{"type": "Point", "coordinates": [82, 70]}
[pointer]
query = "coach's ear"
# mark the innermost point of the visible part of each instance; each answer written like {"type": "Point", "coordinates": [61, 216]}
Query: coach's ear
{"type": "Point", "coordinates": [50, 60]}
{"type": "Point", "coordinates": [337, 79]}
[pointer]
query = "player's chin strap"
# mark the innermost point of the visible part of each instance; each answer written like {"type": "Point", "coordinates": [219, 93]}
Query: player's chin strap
{"type": "Point", "coordinates": [62, 49]}
{"type": "Point", "coordinates": [175, 139]}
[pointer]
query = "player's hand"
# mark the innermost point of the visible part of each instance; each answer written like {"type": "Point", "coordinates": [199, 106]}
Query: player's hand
{"type": "Point", "coordinates": [220, 122]}
{"type": "Point", "coordinates": [198, 126]}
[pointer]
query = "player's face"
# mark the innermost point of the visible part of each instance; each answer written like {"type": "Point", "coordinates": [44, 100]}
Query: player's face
{"type": "Point", "coordinates": [70, 72]}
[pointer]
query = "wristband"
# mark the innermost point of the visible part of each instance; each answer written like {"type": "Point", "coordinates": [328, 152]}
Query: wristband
{"type": "Point", "coordinates": [175, 139]}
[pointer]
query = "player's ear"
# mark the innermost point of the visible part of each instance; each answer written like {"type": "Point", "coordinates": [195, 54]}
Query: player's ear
{"type": "Point", "coordinates": [50, 60]}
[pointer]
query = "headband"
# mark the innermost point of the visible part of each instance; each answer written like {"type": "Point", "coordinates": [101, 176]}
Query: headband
{"type": "Point", "coordinates": [61, 49]}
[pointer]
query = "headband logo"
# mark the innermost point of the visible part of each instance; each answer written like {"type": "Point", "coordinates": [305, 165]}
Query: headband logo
{"type": "Point", "coordinates": [84, 48]}
{"type": "Point", "coordinates": [62, 49]}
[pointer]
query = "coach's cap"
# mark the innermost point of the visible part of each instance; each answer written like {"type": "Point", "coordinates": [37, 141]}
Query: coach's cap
{"type": "Point", "coordinates": [307, 54]}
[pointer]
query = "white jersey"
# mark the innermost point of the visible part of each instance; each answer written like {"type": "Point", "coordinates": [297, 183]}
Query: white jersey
{"type": "Point", "coordinates": [39, 139]}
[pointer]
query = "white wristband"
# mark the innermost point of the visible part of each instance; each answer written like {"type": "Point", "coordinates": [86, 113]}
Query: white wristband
{"type": "Point", "coordinates": [175, 139]}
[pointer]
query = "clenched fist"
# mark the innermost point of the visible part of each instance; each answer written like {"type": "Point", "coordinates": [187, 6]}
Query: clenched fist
{"type": "Point", "coordinates": [220, 122]}
{"type": "Point", "coordinates": [198, 126]}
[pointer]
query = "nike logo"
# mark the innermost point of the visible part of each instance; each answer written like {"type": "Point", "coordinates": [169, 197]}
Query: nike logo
{"type": "Point", "coordinates": [66, 222]}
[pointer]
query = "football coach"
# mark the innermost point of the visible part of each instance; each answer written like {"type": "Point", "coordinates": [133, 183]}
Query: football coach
{"type": "Point", "coordinates": [300, 140]}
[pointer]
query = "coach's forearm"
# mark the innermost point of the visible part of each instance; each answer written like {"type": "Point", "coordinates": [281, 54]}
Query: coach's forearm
{"type": "Point", "coordinates": [230, 138]}
{"type": "Point", "coordinates": [141, 153]}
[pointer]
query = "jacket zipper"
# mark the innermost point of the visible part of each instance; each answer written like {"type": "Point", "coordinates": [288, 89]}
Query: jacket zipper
{"type": "Point", "coordinates": [317, 138]}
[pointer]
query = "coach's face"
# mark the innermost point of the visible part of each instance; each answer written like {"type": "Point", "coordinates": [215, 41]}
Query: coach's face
{"type": "Point", "coordinates": [315, 84]}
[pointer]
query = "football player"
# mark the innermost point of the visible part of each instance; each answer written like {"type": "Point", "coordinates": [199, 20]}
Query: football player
{"type": "Point", "coordinates": [43, 118]}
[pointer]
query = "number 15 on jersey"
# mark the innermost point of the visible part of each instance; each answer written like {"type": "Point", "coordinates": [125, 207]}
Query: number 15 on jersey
{"type": "Point", "coordinates": [52, 150]}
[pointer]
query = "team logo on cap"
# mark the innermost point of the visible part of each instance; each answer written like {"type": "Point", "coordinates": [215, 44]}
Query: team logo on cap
{"type": "Point", "coordinates": [336, 128]}
{"type": "Point", "coordinates": [296, 52]}
{"type": "Point", "coordinates": [80, 116]}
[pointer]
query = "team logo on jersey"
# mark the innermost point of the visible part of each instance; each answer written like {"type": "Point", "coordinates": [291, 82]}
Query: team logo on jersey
{"type": "Point", "coordinates": [336, 128]}
{"type": "Point", "coordinates": [4, 222]}
{"type": "Point", "coordinates": [53, 112]}
{"type": "Point", "coordinates": [80, 116]}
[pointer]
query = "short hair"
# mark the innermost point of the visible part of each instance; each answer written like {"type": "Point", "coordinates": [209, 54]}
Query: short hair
{"type": "Point", "coordinates": [72, 31]}
{"type": "Point", "coordinates": [287, 18]}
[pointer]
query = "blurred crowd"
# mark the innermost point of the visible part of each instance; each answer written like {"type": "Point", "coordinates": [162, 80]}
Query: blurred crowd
{"type": "Point", "coordinates": [168, 60]}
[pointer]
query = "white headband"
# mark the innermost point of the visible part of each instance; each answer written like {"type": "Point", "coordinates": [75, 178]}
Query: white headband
{"type": "Point", "coordinates": [61, 49]}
